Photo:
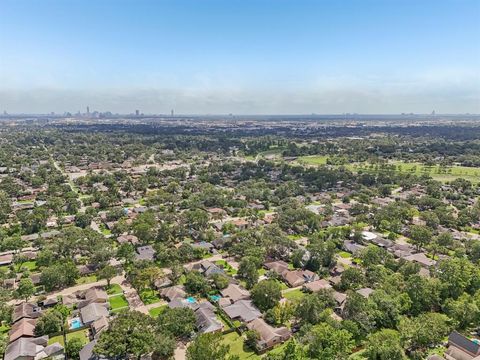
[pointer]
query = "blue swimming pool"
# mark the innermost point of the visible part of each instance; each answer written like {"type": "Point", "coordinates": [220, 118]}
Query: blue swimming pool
{"type": "Point", "coordinates": [191, 300]}
{"type": "Point", "coordinates": [215, 297]}
{"type": "Point", "coordinates": [76, 323]}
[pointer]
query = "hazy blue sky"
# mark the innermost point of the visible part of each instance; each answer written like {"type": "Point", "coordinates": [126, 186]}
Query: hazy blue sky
{"type": "Point", "coordinates": [240, 56]}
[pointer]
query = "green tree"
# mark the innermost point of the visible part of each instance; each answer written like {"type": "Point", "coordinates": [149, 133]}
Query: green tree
{"type": "Point", "coordinates": [25, 289]}
{"type": "Point", "coordinates": [456, 276]}
{"type": "Point", "coordinates": [220, 281]}
{"type": "Point", "coordinates": [266, 294]}
{"type": "Point", "coordinates": [352, 279]}
{"type": "Point", "coordinates": [420, 235]}
{"type": "Point", "coordinates": [464, 311]}
{"type": "Point", "coordinates": [73, 347]}
{"type": "Point", "coordinates": [424, 331]}
{"type": "Point", "coordinates": [424, 293]}
{"type": "Point", "coordinates": [247, 271]}
{"type": "Point", "coordinates": [178, 322]}
{"type": "Point", "coordinates": [251, 338]}
{"type": "Point", "coordinates": [324, 342]}
{"type": "Point", "coordinates": [384, 345]}
{"type": "Point", "coordinates": [108, 272]}
{"type": "Point", "coordinates": [310, 309]}
{"type": "Point", "coordinates": [208, 346]}
{"type": "Point", "coordinates": [50, 322]}
{"type": "Point", "coordinates": [195, 283]}
{"type": "Point", "coordinates": [133, 334]}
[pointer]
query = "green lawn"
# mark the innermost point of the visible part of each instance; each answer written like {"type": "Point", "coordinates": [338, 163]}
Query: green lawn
{"type": "Point", "coordinates": [228, 269]}
{"type": "Point", "coordinates": [157, 311]}
{"type": "Point", "coordinates": [345, 254]}
{"type": "Point", "coordinates": [4, 329]}
{"type": "Point", "coordinates": [117, 302]}
{"type": "Point", "coordinates": [237, 347]}
{"type": "Point", "coordinates": [261, 271]}
{"type": "Point", "coordinates": [149, 296]}
{"type": "Point", "coordinates": [87, 279]}
{"type": "Point", "coordinates": [29, 265]}
{"type": "Point", "coordinates": [114, 289]}
{"type": "Point", "coordinates": [437, 172]}
{"type": "Point", "coordinates": [313, 160]}
{"type": "Point", "coordinates": [80, 334]}
{"type": "Point", "coordinates": [283, 286]}
{"type": "Point", "coordinates": [294, 295]}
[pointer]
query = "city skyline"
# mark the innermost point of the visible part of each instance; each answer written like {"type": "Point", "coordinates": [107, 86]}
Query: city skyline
{"type": "Point", "coordinates": [248, 57]}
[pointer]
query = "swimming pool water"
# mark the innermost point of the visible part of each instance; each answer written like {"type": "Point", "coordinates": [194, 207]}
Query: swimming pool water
{"type": "Point", "coordinates": [215, 297]}
{"type": "Point", "coordinates": [191, 300]}
{"type": "Point", "coordinates": [76, 323]}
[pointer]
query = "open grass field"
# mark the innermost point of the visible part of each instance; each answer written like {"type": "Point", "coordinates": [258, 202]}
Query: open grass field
{"type": "Point", "coordinates": [437, 172]}
{"type": "Point", "coordinates": [313, 159]}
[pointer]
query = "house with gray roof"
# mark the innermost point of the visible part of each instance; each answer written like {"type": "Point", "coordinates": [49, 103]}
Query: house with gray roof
{"type": "Point", "coordinates": [461, 348]}
{"type": "Point", "coordinates": [242, 310]}
{"type": "Point", "coordinates": [146, 252]}
{"type": "Point", "coordinates": [93, 311]}
{"type": "Point", "coordinates": [207, 319]}
{"type": "Point", "coordinates": [33, 348]}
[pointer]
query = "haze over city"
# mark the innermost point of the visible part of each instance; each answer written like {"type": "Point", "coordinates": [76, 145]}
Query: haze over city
{"type": "Point", "coordinates": [241, 57]}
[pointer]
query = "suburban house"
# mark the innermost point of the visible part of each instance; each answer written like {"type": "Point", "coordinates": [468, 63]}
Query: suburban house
{"type": "Point", "coordinates": [173, 292]}
{"type": "Point", "coordinates": [277, 266]}
{"type": "Point", "coordinates": [316, 286]}
{"type": "Point", "coordinates": [26, 310]}
{"type": "Point", "coordinates": [22, 328]}
{"type": "Point", "coordinates": [207, 319]}
{"type": "Point", "coordinates": [352, 247]}
{"type": "Point", "coordinates": [94, 295]}
{"type": "Point", "coordinates": [461, 348]}
{"type": "Point", "coordinates": [207, 268]}
{"type": "Point", "coordinates": [242, 310]}
{"type": "Point", "coordinates": [93, 312]}
{"type": "Point", "coordinates": [268, 335]}
{"type": "Point", "coordinates": [421, 259]}
{"type": "Point", "coordinates": [365, 292]}
{"type": "Point", "coordinates": [296, 278]}
{"type": "Point", "coordinates": [234, 292]}
{"type": "Point", "coordinates": [33, 348]}
{"type": "Point", "coordinates": [146, 252]}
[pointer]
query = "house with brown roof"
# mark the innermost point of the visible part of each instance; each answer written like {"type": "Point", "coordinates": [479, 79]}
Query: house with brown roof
{"type": "Point", "coordinates": [123, 239]}
{"type": "Point", "coordinates": [316, 286]}
{"type": "Point", "coordinates": [277, 266]}
{"type": "Point", "coordinates": [22, 328]}
{"type": "Point", "coordinates": [26, 310]}
{"type": "Point", "coordinates": [268, 335]}
{"type": "Point", "coordinates": [235, 292]}
{"type": "Point", "coordinates": [420, 258]}
{"type": "Point", "coordinates": [94, 295]}
{"type": "Point", "coordinates": [173, 292]}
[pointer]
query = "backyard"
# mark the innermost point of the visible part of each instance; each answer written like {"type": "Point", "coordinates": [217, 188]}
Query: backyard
{"type": "Point", "coordinates": [80, 334]}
